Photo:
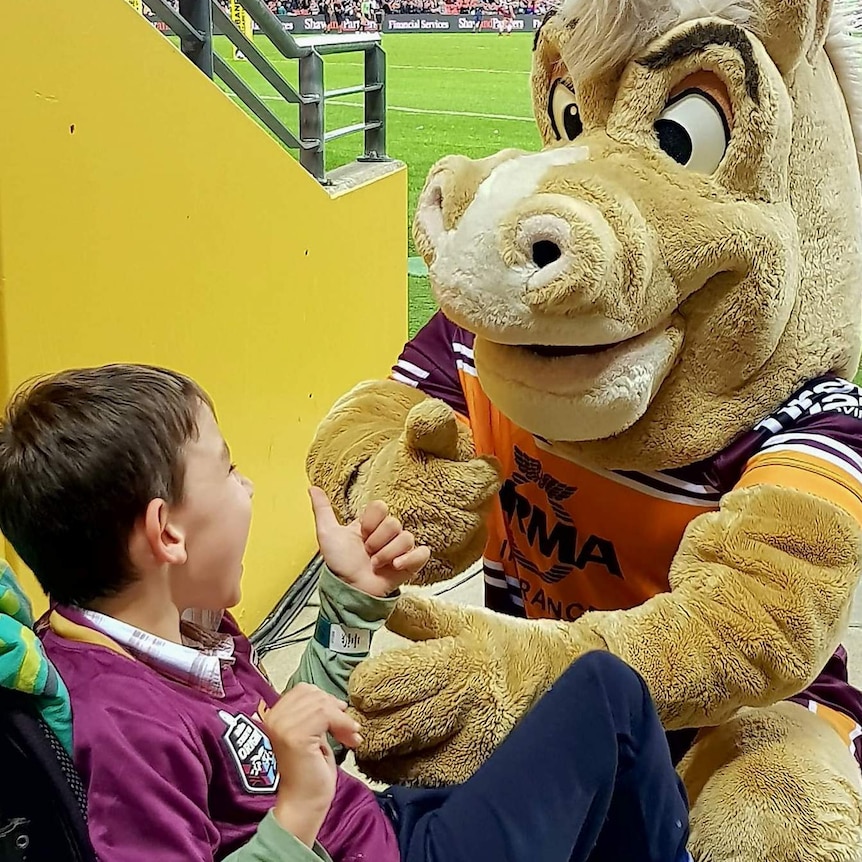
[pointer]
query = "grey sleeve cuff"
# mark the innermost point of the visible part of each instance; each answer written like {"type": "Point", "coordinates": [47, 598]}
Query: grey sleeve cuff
{"type": "Point", "coordinates": [271, 843]}
{"type": "Point", "coordinates": [343, 604]}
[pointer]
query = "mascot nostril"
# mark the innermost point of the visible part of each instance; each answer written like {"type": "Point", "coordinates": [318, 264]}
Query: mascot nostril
{"type": "Point", "coordinates": [545, 253]}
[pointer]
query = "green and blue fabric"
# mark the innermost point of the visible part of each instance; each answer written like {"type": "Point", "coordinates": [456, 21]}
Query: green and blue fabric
{"type": "Point", "coordinates": [23, 664]}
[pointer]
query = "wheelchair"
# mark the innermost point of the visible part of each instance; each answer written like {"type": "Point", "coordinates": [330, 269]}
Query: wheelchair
{"type": "Point", "coordinates": [43, 806]}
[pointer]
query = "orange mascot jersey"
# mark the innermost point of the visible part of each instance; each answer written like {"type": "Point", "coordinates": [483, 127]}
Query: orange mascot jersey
{"type": "Point", "coordinates": [566, 539]}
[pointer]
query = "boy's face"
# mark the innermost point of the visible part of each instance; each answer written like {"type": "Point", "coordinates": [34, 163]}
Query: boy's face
{"type": "Point", "coordinates": [215, 517]}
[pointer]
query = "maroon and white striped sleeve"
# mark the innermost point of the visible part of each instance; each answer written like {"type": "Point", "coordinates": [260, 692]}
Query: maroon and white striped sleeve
{"type": "Point", "coordinates": [429, 361]}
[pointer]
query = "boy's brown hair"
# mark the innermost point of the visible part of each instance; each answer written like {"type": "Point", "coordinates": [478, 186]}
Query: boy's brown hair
{"type": "Point", "coordinates": [82, 454]}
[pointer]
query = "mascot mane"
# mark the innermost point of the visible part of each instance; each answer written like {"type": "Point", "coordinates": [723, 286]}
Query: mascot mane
{"type": "Point", "coordinates": [845, 53]}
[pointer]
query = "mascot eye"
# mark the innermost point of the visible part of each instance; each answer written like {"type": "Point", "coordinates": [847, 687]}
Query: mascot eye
{"type": "Point", "coordinates": [563, 111]}
{"type": "Point", "coordinates": [693, 131]}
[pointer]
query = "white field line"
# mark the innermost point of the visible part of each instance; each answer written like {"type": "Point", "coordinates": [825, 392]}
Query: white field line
{"type": "Point", "coordinates": [406, 110]}
{"type": "Point", "coordinates": [283, 61]}
{"type": "Point", "coordinates": [449, 69]}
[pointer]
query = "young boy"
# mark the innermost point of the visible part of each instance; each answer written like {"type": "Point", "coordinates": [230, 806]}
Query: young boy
{"type": "Point", "coordinates": [117, 489]}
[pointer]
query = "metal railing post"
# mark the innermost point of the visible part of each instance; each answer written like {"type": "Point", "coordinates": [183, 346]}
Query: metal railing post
{"type": "Point", "coordinates": [311, 115]}
{"type": "Point", "coordinates": [199, 14]}
{"type": "Point", "coordinates": [375, 104]}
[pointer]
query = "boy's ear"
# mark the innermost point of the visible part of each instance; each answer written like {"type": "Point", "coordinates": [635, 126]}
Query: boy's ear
{"type": "Point", "coordinates": [165, 539]}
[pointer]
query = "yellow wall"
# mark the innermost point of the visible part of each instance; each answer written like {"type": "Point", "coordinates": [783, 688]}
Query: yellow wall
{"type": "Point", "coordinates": [144, 217]}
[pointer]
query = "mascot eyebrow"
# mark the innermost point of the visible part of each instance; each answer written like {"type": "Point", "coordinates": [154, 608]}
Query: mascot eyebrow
{"type": "Point", "coordinates": [691, 42]}
{"type": "Point", "coordinates": [701, 37]}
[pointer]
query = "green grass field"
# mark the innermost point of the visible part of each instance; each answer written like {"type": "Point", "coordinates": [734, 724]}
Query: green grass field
{"type": "Point", "coordinates": [449, 93]}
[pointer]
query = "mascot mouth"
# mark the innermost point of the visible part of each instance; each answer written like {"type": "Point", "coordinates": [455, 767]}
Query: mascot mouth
{"type": "Point", "coordinates": [570, 368]}
{"type": "Point", "coordinates": [570, 393]}
{"type": "Point", "coordinates": [556, 352]}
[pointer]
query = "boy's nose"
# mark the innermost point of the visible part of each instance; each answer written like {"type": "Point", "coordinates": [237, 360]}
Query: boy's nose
{"type": "Point", "coordinates": [248, 485]}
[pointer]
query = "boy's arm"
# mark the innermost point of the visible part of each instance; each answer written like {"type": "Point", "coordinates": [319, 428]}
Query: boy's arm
{"type": "Point", "coordinates": [271, 843]}
{"type": "Point", "coordinates": [342, 639]}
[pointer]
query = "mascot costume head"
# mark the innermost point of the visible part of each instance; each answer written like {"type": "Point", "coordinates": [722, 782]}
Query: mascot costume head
{"type": "Point", "coordinates": [636, 405]}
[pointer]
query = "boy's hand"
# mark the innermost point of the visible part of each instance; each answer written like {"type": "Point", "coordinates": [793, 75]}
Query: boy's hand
{"type": "Point", "coordinates": [373, 553]}
{"type": "Point", "coordinates": [297, 727]}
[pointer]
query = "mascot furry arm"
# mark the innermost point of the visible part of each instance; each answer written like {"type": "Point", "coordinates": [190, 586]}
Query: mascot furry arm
{"type": "Point", "coordinates": [387, 441]}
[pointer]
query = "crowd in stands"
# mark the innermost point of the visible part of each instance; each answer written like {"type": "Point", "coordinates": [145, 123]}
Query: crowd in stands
{"type": "Point", "coordinates": [351, 9]}
{"type": "Point", "coordinates": [368, 14]}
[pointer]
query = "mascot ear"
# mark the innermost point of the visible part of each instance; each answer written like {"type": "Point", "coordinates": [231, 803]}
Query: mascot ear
{"type": "Point", "coordinates": [548, 68]}
{"type": "Point", "coordinates": [791, 30]}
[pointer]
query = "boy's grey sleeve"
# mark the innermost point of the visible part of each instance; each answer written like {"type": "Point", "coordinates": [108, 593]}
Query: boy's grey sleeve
{"type": "Point", "coordinates": [346, 623]}
{"type": "Point", "coordinates": [271, 843]}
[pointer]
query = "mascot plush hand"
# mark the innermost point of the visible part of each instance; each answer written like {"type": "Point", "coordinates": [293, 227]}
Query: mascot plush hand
{"type": "Point", "coordinates": [633, 404]}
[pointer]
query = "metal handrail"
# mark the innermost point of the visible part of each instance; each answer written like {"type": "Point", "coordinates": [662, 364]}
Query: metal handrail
{"type": "Point", "coordinates": [349, 130]}
{"type": "Point", "coordinates": [271, 27]}
{"type": "Point", "coordinates": [350, 91]}
{"type": "Point", "coordinates": [223, 24]}
{"type": "Point", "coordinates": [338, 44]}
{"type": "Point", "coordinates": [252, 101]}
{"type": "Point", "coordinates": [194, 24]}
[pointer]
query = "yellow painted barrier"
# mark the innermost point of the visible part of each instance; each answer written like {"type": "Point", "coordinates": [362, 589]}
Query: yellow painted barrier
{"type": "Point", "coordinates": [144, 217]}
